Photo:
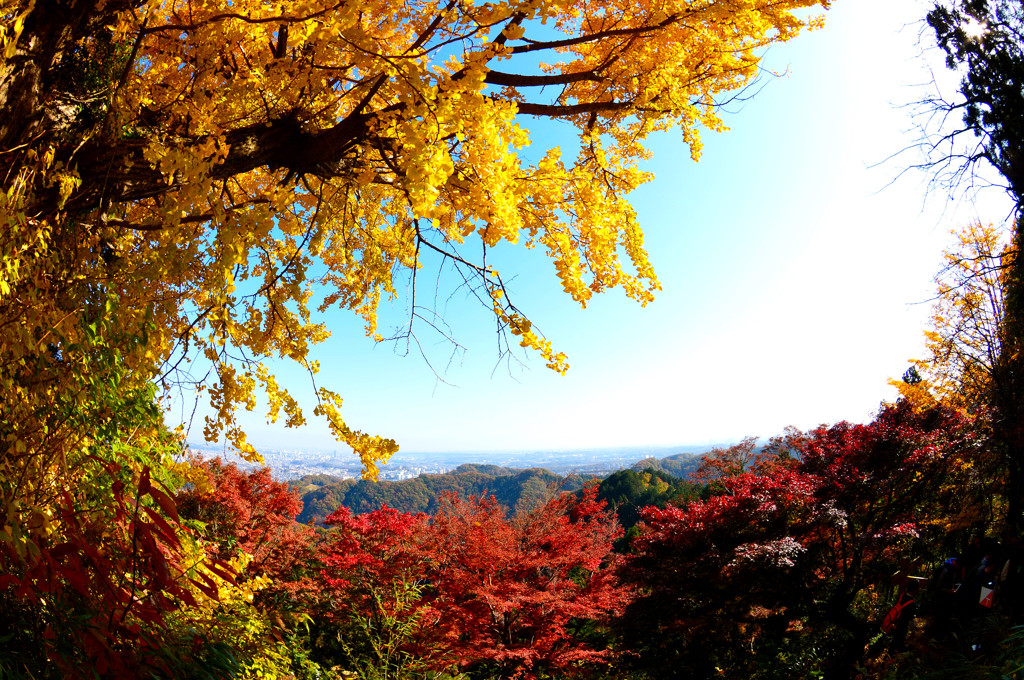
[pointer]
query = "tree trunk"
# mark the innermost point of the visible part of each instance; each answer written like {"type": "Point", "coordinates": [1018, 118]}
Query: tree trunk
{"type": "Point", "coordinates": [1008, 383]}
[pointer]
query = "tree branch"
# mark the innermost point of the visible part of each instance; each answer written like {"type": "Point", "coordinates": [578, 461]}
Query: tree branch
{"type": "Point", "coordinates": [517, 80]}
{"type": "Point", "coordinates": [560, 110]}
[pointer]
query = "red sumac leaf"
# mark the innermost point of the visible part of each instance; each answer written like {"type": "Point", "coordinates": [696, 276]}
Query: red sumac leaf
{"type": "Point", "coordinates": [144, 483]}
{"type": "Point", "coordinates": [222, 569]}
{"type": "Point", "coordinates": [165, 502]}
{"type": "Point", "coordinates": [164, 530]}
{"type": "Point", "coordinates": [207, 588]}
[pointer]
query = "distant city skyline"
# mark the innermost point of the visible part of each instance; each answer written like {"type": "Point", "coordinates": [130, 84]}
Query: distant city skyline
{"type": "Point", "coordinates": [287, 464]}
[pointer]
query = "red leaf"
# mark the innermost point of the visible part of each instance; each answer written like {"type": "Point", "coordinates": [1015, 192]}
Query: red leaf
{"type": "Point", "coordinates": [165, 530]}
{"type": "Point", "coordinates": [144, 484]}
{"type": "Point", "coordinates": [207, 587]}
{"type": "Point", "coordinates": [222, 569]}
{"type": "Point", "coordinates": [165, 502]}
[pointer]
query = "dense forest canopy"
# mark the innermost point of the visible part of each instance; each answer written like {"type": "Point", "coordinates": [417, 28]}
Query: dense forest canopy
{"type": "Point", "coordinates": [515, 490]}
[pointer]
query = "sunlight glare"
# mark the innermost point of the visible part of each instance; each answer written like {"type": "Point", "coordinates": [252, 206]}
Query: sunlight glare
{"type": "Point", "coordinates": [975, 29]}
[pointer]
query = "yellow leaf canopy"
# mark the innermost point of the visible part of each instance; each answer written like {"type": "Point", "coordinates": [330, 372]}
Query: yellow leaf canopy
{"type": "Point", "coordinates": [181, 176]}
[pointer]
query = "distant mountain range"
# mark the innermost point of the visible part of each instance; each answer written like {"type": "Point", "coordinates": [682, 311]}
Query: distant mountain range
{"type": "Point", "coordinates": [516, 489]}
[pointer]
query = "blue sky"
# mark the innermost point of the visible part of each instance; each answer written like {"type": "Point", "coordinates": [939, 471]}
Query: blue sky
{"type": "Point", "coordinates": [796, 275]}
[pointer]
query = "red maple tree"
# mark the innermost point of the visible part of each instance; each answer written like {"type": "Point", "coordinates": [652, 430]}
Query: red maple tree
{"type": "Point", "coordinates": [512, 590]}
{"type": "Point", "coordinates": [250, 512]}
{"type": "Point", "coordinates": [774, 564]}
{"type": "Point", "coordinates": [372, 550]}
{"type": "Point", "coordinates": [102, 574]}
{"type": "Point", "coordinates": [374, 615]}
{"type": "Point", "coordinates": [472, 587]}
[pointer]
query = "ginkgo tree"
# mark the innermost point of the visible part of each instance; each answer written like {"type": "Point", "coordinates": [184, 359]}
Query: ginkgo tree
{"type": "Point", "coordinates": [970, 361]}
{"type": "Point", "coordinates": [184, 180]}
{"type": "Point", "coordinates": [964, 343]}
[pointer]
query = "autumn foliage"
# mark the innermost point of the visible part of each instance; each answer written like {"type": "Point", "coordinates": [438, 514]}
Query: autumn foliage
{"type": "Point", "coordinates": [777, 570]}
{"type": "Point", "coordinates": [239, 512]}
{"type": "Point", "coordinates": [187, 186]}
{"type": "Point", "coordinates": [787, 562]}
{"type": "Point", "coordinates": [191, 185]}
{"type": "Point", "coordinates": [472, 588]}
{"type": "Point", "coordinates": [99, 580]}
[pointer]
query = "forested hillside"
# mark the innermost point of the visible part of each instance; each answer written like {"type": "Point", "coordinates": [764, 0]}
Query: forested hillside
{"type": "Point", "coordinates": [515, 490]}
{"type": "Point", "coordinates": [679, 465]}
